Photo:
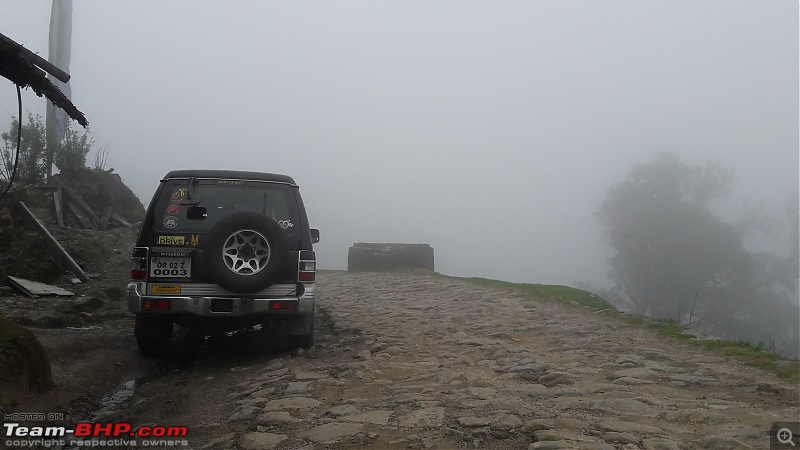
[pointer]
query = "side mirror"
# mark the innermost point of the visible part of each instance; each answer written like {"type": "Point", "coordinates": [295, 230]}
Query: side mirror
{"type": "Point", "coordinates": [314, 235]}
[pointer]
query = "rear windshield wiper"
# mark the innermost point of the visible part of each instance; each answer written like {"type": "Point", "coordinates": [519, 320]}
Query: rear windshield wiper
{"type": "Point", "coordinates": [192, 197]}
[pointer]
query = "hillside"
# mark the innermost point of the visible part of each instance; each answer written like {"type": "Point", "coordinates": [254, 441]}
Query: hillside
{"type": "Point", "coordinates": [66, 326]}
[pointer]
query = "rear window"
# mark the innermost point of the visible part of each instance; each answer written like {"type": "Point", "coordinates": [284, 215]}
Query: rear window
{"type": "Point", "coordinates": [183, 208]}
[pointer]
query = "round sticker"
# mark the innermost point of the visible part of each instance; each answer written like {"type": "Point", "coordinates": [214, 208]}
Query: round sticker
{"type": "Point", "coordinates": [178, 195]}
{"type": "Point", "coordinates": [171, 222]}
{"type": "Point", "coordinates": [173, 210]}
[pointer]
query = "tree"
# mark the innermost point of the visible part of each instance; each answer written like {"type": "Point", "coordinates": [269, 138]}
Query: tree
{"type": "Point", "coordinates": [668, 246]}
{"type": "Point", "coordinates": [793, 259]}
{"type": "Point", "coordinates": [32, 167]}
{"type": "Point", "coordinates": [32, 151]}
{"type": "Point", "coordinates": [71, 154]}
{"type": "Point", "coordinates": [669, 249]}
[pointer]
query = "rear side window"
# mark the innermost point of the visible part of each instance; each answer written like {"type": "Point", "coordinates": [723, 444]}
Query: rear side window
{"type": "Point", "coordinates": [185, 208]}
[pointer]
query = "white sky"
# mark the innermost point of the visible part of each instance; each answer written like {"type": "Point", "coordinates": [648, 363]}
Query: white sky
{"type": "Point", "coordinates": [488, 129]}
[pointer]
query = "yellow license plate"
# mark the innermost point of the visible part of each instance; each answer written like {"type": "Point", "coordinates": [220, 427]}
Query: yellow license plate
{"type": "Point", "coordinates": [165, 289]}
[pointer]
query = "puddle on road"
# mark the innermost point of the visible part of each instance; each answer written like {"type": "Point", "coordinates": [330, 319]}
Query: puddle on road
{"type": "Point", "coordinates": [241, 346]}
{"type": "Point", "coordinates": [111, 402]}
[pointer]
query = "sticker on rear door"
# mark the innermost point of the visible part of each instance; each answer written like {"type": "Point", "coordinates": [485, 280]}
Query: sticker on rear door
{"type": "Point", "coordinates": [170, 222]}
{"type": "Point", "coordinates": [171, 240]}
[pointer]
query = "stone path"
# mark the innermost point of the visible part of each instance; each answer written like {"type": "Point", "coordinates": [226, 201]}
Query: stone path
{"type": "Point", "coordinates": [435, 363]}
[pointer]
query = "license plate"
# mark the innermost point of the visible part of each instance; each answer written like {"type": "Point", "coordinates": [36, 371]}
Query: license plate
{"type": "Point", "coordinates": [169, 267]}
{"type": "Point", "coordinates": [161, 289]}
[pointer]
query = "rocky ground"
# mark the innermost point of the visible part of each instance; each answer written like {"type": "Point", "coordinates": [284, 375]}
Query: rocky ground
{"type": "Point", "coordinates": [82, 333]}
{"type": "Point", "coordinates": [87, 336]}
{"type": "Point", "coordinates": [416, 361]}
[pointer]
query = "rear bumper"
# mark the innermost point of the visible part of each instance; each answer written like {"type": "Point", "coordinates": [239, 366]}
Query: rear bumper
{"type": "Point", "coordinates": [199, 303]}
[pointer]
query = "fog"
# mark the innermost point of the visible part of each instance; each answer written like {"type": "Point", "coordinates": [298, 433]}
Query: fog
{"type": "Point", "coordinates": [489, 130]}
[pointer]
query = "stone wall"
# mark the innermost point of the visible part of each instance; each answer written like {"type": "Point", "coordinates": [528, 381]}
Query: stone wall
{"type": "Point", "coordinates": [385, 256]}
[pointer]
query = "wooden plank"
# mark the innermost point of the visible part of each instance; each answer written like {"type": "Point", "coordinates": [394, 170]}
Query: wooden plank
{"type": "Point", "coordinates": [34, 288]}
{"type": "Point", "coordinates": [21, 288]}
{"type": "Point", "coordinates": [92, 215]}
{"type": "Point", "coordinates": [105, 217]}
{"type": "Point", "coordinates": [44, 64]}
{"type": "Point", "coordinates": [59, 212]}
{"type": "Point", "coordinates": [78, 213]}
{"type": "Point", "coordinates": [79, 200]}
{"type": "Point", "coordinates": [122, 222]}
{"type": "Point", "coordinates": [64, 258]}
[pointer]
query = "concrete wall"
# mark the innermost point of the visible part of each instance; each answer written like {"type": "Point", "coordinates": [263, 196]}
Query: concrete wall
{"type": "Point", "coordinates": [384, 256]}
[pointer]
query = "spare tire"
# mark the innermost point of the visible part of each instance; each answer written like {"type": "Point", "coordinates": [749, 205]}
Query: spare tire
{"type": "Point", "coordinates": [246, 252]}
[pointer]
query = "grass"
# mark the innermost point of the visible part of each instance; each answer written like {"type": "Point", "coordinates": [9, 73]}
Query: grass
{"type": "Point", "coordinates": [749, 354]}
{"type": "Point", "coordinates": [563, 294]}
{"type": "Point", "coordinates": [756, 356]}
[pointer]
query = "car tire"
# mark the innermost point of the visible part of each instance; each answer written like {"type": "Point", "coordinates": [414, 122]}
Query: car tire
{"type": "Point", "coordinates": [245, 252]}
{"type": "Point", "coordinates": [304, 341]}
{"type": "Point", "coordinates": [150, 347]}
{"type": "Point", "coordinates": [153, 335]}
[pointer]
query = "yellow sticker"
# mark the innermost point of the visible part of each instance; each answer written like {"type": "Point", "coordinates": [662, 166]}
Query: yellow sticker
{"type": "Point", "coordinates": [165, 289]}
{"type": "Point", "coordinates": [171, 240]}
{"type": "Point", "coordinates": [195, 239]}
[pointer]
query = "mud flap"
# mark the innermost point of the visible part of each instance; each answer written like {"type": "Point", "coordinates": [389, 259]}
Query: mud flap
{"type": "Point", "coordinates": [302, 325]}
{"type": "Point", "coordinates": [147, 326]}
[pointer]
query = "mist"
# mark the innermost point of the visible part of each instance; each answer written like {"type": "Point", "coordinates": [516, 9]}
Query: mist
{"type": "Point", "coordinates": [490, 130]}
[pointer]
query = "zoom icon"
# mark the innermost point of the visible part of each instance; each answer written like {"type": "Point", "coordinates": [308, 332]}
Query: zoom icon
{"type": "Point", "coordinates": [784, 435]}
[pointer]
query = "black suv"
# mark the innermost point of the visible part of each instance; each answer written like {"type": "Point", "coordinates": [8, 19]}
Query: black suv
{"type": "Point", "coordinates": [223, 250]}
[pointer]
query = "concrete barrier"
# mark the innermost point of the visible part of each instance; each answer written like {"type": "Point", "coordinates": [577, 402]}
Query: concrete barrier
{"type": "Point", "coordinates": [385, 256]}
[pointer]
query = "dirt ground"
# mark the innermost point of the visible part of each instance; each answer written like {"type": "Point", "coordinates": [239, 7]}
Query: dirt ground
{"type": "Point", "coordinates": [84, 335]}
{"type": "Point", "coordinates": [407, 361]}
{"type": "Point", "coordinates": [88, 337]}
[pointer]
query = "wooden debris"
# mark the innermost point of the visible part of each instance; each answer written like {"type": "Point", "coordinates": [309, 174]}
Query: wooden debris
{"type": "Point", "coordinates": [63, 257]}
{"type": "Point", "coordinates": [95, 220]}
{"type": "Point", "coordinates": [77, 212]}
{"type": "Point", "coordinates": [119, 220]}
{"type": "Point", "coordinates": [105, 217]}
{"type": "Point", "coordinates": [59, 212]}
{"type": "Point", "coordinates": [92, 215]}
{"type": "Point", "coordinates": [35, 289]}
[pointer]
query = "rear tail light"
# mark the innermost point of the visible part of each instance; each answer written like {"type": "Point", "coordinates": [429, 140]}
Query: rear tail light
{"type": "Point", "coordinates": [306, 266]}
{"type": "Point", "coordinates": [159, 305]}
{"type": "Point", "coordinates": [280, 305]}
{"type": "Point", "coordinates": [139, 264]}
